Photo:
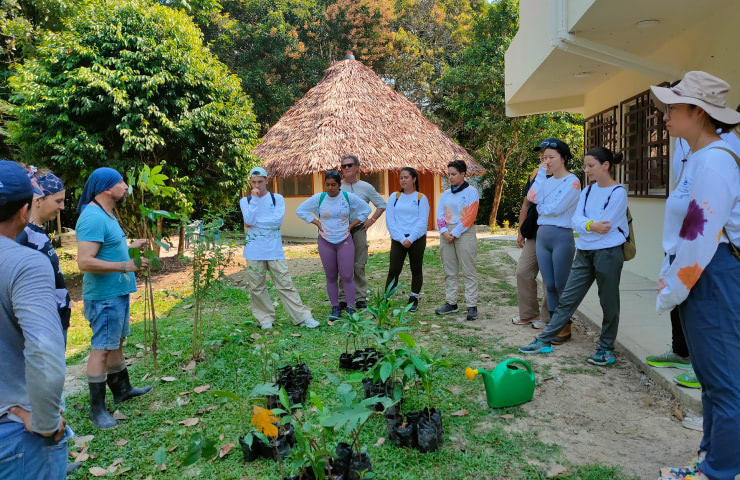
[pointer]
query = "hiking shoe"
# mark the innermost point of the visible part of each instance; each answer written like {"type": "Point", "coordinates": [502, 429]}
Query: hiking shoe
{"type": "Point", "coordinates": [601, 358]}
{"type": "Point", "coordinates": [539, 324]}
{"type": "Point", "coordinates": [342, 305]}
{"type": "Point", "coordinates": [414, 302]}
{"type": "Point", "coordinates": [693, 423]}
{"type": "Point", "coordinates": [518, 321]}
{"type": "Point", "coordinates": [361, 304]}
{"type": "Point", "coordinates": [472, 313]}
{"type": "Point", "coordinates": [687, 380]}
{"type": "Point", "coordinates": [336, 312]}
{"type": "Point", "coordinates": [266, 326]}
{"type": "Point", "coordinates": [349, 311]}
{"type": "Point", "coordinates": [446, 308]}
{"type": "Point", "coordinates": [309, 323]}
{"type": "Point", "coordinates": [537, 346]}
{"type": "Point", "coordinates": [561, 339]}
{"type": "Point", "coordinates": [669, 473]}
{"type": "Point", "coordinates": [668, 359]}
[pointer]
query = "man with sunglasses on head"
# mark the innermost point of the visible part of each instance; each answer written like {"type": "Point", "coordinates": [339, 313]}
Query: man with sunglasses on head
{"type": "Point", "coordinates": [351, 183]}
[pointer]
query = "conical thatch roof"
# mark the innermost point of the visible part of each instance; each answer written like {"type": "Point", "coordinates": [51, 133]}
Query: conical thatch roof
{"type": "Point", "coordinates": [352, 111]}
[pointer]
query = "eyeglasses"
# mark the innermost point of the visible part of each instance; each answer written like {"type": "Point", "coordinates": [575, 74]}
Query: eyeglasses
{"type": "Point", "coordinates": [548, 145]}
{"type": "Point", "coordinates": [348, 165]}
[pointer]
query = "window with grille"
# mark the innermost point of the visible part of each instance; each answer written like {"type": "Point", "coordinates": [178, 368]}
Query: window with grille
{"type": "Point", "coordinates": [300, 186]}
{"type": "Point", "coordinates": [636, 129]}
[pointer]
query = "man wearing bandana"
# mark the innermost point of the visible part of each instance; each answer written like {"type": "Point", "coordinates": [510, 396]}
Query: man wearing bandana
{"type": "Point", "coordinates": [45, 208]}
{"type": "Point", "coordinates": [102, 253]}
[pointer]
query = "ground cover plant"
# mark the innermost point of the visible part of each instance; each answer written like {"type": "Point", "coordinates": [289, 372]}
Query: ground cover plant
{"type": "Point", "coordinates": [188, 428]}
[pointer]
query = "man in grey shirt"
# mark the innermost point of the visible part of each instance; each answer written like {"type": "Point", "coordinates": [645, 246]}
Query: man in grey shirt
{"type": "Point", "coordinates": [32, 365]}
{"type": "Point", "coordinates": [351, 183]}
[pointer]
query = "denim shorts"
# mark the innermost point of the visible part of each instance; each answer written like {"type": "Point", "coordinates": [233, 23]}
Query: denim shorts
{"type": "Point", "coordinates": [29, 456]}
{"type": "Point", "coordinates": [109, 321]}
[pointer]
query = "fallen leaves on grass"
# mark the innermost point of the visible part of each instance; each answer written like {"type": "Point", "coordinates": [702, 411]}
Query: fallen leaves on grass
{"type": "Point", "coordinates": [484, 356]}
{"type": "Point", "coordinates": [82, 441]}
{"type": "Point", "coordinates": [507, 416]}
{"type": "Point", "coordinates": [296, 335]}
{"type": "Point", "coordinates": [201, 389]}
{"type": "Point", "coordinates": [189, 367]}
{"type": "Point", "coordinates": [225, 449]}
{"type": "Point", "coordinates": [459, 413]}
{"type": "Point", "coordinates": [168, 379]}
{"type": "Point", "coordinates": [118, 415]}
{"type": "Point", "coordinates": [122, 442]}
{"type": "Point", "coordinates": [190, 422]}
{"type": "Point", "coordinates": [176, 354]}
{"type": "Point", "coordinates": [380, 441]}
{"type": "Point", "coordinates": [206, 409]}
{"type": "Point", "coordinates": [98, 472]}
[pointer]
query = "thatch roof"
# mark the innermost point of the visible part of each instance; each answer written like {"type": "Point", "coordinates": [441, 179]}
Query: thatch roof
{"type": "Point", "coordinates": [352, 111]}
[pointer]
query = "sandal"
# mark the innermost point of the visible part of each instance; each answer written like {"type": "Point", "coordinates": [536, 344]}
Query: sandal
{"type": "Point", "coordinates": [518, 321]}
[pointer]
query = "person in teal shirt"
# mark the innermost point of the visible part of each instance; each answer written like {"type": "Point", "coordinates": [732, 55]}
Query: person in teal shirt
{"type": "Point", "coordinates": [102, 253]}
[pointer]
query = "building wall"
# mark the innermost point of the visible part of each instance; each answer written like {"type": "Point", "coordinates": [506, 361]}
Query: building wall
{"type": "Point", "coordinates": [296, 227]}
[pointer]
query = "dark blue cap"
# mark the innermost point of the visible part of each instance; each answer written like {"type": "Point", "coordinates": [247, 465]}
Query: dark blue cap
{"type": "Point", "coordinates": [14, 183]}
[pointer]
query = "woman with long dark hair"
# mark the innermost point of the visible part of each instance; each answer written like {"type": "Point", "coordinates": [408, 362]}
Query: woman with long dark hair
{"type": "Point", "coordinates": [331, 211]}
{"type": "Point", "coordinates": [701, 273]}
{"type": "Point", "coordinates": [406, 217]}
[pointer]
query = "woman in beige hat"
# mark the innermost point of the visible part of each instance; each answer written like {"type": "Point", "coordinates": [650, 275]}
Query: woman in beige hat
{"type": "Point", "coordinates": [701, 275]}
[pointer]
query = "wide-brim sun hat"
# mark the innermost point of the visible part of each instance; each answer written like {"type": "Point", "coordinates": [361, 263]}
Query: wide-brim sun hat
{"type": "Point", "coordinates": [700, 89]}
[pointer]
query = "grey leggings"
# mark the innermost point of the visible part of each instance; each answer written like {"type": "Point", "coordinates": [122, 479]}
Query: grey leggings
{"type": "Point", "coordinates": [555, 250]}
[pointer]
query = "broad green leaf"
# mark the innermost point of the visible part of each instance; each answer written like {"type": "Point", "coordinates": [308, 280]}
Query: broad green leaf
{"type": "Point", "coordinates": [160, 456]}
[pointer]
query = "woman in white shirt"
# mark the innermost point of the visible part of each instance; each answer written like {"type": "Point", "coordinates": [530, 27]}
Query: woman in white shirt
{"type": "Point", "coordinates": [556, 197]}
{"type": "Point", "coordinates": [406, 216]}
{"type": "Point", "coordinates": [601, 222]}
{"type": "Point", "coordinates": [701, 272]}
{"type": "Point", "coordinates": [335, 213]}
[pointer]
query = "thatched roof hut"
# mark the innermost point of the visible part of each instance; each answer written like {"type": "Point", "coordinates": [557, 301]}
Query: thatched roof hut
{"type": "Point", "coordinates": [351, 110]}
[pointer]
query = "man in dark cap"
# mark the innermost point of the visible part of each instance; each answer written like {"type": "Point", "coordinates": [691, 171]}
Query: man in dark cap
{"type": "Point", "coordinates": [102, 253]}
{"type": "Point", "coordinates": [33, 432]}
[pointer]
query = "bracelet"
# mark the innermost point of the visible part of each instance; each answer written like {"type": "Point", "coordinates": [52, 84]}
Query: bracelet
{"type": "Point", "coordinates": [588, 225]}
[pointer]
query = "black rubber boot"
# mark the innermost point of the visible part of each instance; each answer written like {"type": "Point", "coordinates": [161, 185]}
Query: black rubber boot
{"type": "Point", "coordinates": [98, 414]}
{"type": "Point", "coordinates": [120, 385]}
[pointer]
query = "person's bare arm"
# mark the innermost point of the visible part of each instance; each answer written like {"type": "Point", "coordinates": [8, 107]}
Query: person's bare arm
{"type": "Point", "coordinates": [86, 261]}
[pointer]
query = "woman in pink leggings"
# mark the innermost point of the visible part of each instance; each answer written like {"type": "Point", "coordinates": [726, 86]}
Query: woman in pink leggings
{"type": "Point", "coordinates": [335, 213]}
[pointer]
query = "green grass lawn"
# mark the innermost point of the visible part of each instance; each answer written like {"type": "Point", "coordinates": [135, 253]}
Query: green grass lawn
{"type": "Point", "coordinates": [477, 445]}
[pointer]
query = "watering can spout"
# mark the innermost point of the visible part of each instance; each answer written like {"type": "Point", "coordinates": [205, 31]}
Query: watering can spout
{"type": "Point", "coordinates": [506, 385]}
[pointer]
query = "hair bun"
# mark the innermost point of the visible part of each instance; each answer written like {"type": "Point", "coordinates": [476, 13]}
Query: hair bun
{"type": "Point", "coordinates": [618, 157]}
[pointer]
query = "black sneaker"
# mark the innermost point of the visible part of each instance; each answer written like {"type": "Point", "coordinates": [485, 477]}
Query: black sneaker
{"type": "Point", "coordinates": [336, 312]}
{"type": "Point", "coordinates": [472, 313]}
{"type": "Point", "coordinates": [361, 304]}
{"type": "Point", "coordinates": [446, 308]}
{"type": "Point", "coordinates": [342, 306]}
{"type": "Point", "coordinates": [349, 311]}
{"type": "Point", "coordinates": [414, 302]}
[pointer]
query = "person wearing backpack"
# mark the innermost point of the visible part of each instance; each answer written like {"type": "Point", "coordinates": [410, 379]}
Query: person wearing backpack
{"type": "Point", "coordinates": [331, 211]}
{"type": "Point", "coordinates": [600, 219]}
{"type": "Point", "coordinates": [701, 273]}
{"type": "Point", "coordinates": [263, 214]}
{"type": "Point", "coordinates": [406, 218]}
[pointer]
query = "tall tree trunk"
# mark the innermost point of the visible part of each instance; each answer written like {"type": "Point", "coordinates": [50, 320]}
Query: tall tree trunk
{"type": "Point", "coordinates": [181, 241]}
{"type": "Point", "coordinates": [498, 185]}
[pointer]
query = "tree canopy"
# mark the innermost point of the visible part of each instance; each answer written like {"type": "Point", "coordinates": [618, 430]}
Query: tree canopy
{"type": "Point", "coordinates": [130, 82]}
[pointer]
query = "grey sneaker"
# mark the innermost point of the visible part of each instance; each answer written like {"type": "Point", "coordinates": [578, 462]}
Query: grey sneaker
{"type": "Point", "coordinates": [668, 359]}
{"type": "Point", "coordinates": [309, 323]}
{"type": "Point", "coordinates": [693, 423]}
{"type": "Point", "coordinates": [472, 313]}
{"type": "Point", "coordinates": [266, 326]}
{"type": "Point", "coordinates": [446, 308]}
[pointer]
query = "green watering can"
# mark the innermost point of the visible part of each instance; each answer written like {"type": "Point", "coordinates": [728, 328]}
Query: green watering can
{"type": "Point", "coordinates": [506, 385]}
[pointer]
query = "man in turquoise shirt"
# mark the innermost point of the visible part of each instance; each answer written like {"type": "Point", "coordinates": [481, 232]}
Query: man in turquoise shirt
{"type": "Point", "coordinates": [102, 253]}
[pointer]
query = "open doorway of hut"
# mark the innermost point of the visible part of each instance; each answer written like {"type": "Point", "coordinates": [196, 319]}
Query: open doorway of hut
{"type": "Point", "coordinates": [426, 186]}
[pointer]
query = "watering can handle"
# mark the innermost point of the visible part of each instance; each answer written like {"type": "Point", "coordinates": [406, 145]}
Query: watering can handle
{"type": "Point", "coordinates": [521, 362]}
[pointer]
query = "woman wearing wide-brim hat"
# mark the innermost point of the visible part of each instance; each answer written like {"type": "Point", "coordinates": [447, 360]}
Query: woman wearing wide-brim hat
{"type": "Point", "coordinates": [702, 274]}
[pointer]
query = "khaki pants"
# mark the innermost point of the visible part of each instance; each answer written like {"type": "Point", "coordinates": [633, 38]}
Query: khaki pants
{"type": "Point", "coordinates": [360, 240]}
{"type": "Point", "coordinates": [526, 284]}
{"type": "Point", "coordinates": [262, 307]}
{"type": "Point", "coordinates": [460, 253]}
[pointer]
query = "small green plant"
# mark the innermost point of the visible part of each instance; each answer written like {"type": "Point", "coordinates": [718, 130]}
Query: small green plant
{"type": "Point", "coordinates": [355, 327]}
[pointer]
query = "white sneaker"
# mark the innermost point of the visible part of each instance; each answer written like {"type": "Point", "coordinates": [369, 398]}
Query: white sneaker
{"type": "Point", "coordinates": [693, 423]}
{"type": "Point", "coordinates": [266, 326]}
{"type": "Point", "coordinates": [309, 323]}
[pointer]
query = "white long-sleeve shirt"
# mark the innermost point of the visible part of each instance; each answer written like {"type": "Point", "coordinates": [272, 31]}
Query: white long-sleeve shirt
{"type": "Point", "coordinates": [406, 216]}
{"type": "Point", "coordinates": [705, 201]}
{"type": "Point", "coordinates": [263, 239]}
{"type": "Point", "coordinates": [334, 213]}
{"type": "Point", "coordinates": [603, 204]}
{"type": "Point", "coordinates": [556, 198]}
{"type": "Point", "coordinates": [456, 212]}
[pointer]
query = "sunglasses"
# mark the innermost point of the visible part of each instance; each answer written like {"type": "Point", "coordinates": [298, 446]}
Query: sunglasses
{"type": "Point", "coordinates": [548, 145]}
{"type": "Point", "coordinates": [348, 165]}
